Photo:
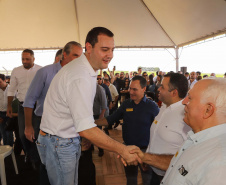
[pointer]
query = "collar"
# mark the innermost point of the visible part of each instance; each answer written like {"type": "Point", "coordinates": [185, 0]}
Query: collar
{"type": "Point", "coordinates": [87, 64]}
{"type": "Point", "coordinates": [193, 81]}
{"type": "Point", "coordinates": [144, 99]}
{"type": "Point", "coordinates": [174, 105]}
{"type": "Point", "coordinates": [207, 134]}
{"type": "Point", "coordinates": [58, 65]}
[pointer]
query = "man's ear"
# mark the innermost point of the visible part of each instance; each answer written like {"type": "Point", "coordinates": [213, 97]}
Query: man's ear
{"type": "Point", "coordinates": [174, 92]}
{"type": "Point", "coordinates": [64, 54]}
{"type": "Point", "coordinates": [88, 47]}
{"type": "Point", "coordinates": [144, 89]}
{"type": "Point", "coordinates": [209, 110]}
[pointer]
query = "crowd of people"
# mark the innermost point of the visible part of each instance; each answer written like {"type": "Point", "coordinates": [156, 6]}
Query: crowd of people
{"type": "Point", "coordinates": [172, 123]}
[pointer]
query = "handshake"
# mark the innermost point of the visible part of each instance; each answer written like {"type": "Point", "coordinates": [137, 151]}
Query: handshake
{"type": "Point", "coordinates": [131, 155]}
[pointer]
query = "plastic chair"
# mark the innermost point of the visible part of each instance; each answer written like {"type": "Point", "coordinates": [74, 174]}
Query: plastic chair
{"type": "Point", "coordinates": [6, 150]}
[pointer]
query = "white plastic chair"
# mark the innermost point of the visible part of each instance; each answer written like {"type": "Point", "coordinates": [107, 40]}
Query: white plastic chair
{"type": "Point", "coordinates": [6, 150]}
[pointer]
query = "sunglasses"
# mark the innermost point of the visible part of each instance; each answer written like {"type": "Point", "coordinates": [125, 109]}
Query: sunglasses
{"type": "Point", "coordinates": [99, 78]}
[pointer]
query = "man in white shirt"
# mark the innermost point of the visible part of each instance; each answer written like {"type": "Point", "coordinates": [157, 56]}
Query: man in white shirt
{"type": "Point", "coordinates": [20, 81]}
{"type": "Point", "coordinates": [192, 80]}
{"type": "Point", "coordinates": [201, 160]}
{"type": "Point", "coordinates": [157, 73]}
{"type": "Point", "coordinates": [168, 131]}
{"type": "Point", "coordinates": [139, 71]}
{"type": "Point", "coordinates": [7, 136]}
{"type": "Point", "coordinates": [113, 91]}
{"type": "Point", "coordinates": [68, 112]}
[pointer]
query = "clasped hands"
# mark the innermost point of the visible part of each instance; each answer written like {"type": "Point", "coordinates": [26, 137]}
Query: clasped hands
{"type": "Point", "coordinates": [132, 155]}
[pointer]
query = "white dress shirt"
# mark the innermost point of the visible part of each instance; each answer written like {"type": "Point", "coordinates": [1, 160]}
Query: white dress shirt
{"type": "Point", "coordinates": [191, 85]}
{"type": "Point", "coordinates": [168, 131]}
{"type": "Point", "coordinates": [203, 156]}
{"type": "Point", "coordinates": [20, 81]}
{"type": "Point", "coordinates": [3, 99]}
{"type": "Point", "coordinates": [113, 91]}
{"type": "Point", "coordinates": [68, 107]}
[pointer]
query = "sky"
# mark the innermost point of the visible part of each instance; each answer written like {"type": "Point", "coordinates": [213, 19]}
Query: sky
{"type": "Point", "coordinates": [207, 57]}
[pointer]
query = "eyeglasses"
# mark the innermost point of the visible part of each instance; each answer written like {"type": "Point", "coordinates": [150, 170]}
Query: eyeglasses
{"type": "Point", "coordinates": [145, 75]}
{"type": "Point", "coordinates": [99, 78]}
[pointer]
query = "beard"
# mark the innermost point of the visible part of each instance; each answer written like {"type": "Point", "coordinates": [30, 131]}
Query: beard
{"type": "Point", "coordinates": [27, 66]}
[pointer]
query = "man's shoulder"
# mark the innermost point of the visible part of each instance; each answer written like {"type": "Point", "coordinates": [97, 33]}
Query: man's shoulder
{"type": "Point", "coordinates": [111, 86]}
{"type": "Point", "coordinates": [18, 68]}
{"type": "Point", "coordinates": [100, 88]}
{"type": "Point", "coordinates": [104, 85]}
{"type": "Point", "coordinates": [46, 68]}
{"type": "Point", "coordinates": [38, 66]}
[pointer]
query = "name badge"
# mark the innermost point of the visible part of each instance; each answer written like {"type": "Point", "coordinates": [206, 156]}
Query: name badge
{"type": "Point", "coordinates": [155, 122]}
{"type": "Point", "coordinates": [129, 110]}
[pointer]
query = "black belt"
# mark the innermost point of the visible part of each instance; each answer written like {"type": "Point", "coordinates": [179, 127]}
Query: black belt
{"type": "Point", "coordinates": [45, 133]}
{"type": "Point", "coordinates": [143, 147]}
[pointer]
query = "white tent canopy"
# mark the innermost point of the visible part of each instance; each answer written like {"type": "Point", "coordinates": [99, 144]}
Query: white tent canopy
{"type": "Point", "coordinates": [50, 24]}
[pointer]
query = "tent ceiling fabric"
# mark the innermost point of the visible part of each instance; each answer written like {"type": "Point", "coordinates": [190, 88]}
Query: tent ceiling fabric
{"type": "Point", "coordinates": [37, 24]}
{"type": "Point", "coordinates": [136, 23]}
{"type": "Point", "coordinates": [186, 21]}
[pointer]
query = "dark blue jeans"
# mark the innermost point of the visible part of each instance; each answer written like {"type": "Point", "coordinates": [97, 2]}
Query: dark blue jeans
{"type": "Point", "coordinates": [7, 136]}
{"type": "Point", "coordinates": [30, 148]}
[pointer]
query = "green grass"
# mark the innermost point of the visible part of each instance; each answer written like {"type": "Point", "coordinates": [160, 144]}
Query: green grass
{"type": "Point", "coordinates": [149, 72]}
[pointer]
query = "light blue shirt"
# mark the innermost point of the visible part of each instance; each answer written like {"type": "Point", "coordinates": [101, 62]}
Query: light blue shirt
{"type": "Point", "coordinates": [39, 87]}
{"type": "Point", "coordinates": [203, 156]}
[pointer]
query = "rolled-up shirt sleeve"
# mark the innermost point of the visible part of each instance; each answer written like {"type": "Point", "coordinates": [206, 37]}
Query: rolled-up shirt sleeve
{"type": "Point", "coordinates": [117, 115]}
{"type": "Point", "coordinates": [79, 97]}
{"type": "Point", "coordinates": [13, 85]}
{"type": "Point", "coordinates": [35, 89]}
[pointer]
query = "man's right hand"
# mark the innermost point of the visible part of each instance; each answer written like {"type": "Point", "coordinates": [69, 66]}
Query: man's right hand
{"type": "Point", "coordinates": [131, 159]}
{"type": "Point", "coordinates": [29, 133]}
{"type": "Point", "coordinates": [138, 152]}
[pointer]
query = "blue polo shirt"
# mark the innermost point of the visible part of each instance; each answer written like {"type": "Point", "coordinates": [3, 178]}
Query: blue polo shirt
{"type": "Point", "coordinates": [137, 120]}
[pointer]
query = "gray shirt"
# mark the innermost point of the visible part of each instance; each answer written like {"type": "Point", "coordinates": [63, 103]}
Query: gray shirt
{"type": "Point", "coordinates": [100, 101]}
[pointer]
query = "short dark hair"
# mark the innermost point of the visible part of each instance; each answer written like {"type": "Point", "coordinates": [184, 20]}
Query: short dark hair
{"type": "Point", "coordinates": [106, 80]}
{"type": "Point", "coordinates": [92, 36]}
{"type": "Point", "coordinates": [151, 79]}
{"type": "Point", "coordinates": [29, 51]}
{"type": "Point", "coordinates": [134, 73]}
{"type": "Point", "coordinates": [2, 76]}
{"type": "Point", "coordinates": [142, 80]}
{"type": "Point", "coordinates": [186, 73]}
{"type": "Point", "coordinates": [139, 68]}
{"type": "Point", "coordinates": [178, 82]}
{"type": "Point", "coordinates": [68, 46]}
{"type": "Point", "coordinates": [59, 52]}
{"type": "Point", "coordinates": [198, 72]}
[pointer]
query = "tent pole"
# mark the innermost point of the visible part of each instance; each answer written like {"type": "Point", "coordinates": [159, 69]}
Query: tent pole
{"type": "Point", "coordinates": [177, 58]}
